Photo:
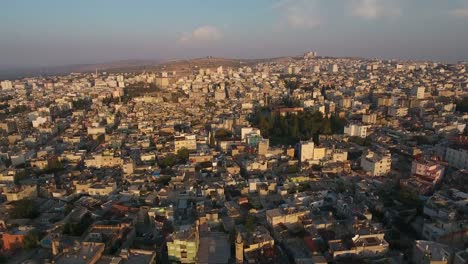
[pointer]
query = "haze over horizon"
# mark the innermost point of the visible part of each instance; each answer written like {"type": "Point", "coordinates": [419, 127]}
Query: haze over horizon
{"type": "Point", "coordinates": [53, 33]}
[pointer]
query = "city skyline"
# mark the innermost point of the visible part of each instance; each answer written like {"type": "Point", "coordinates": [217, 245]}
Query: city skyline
{"type": "Point", "coordinates": [208, 131]}
{"type": "Point", "coordinates": [53, 33]}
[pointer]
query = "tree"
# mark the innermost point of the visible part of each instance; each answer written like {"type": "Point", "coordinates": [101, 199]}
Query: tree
{"type": "Point", "coordinates": [183, 154]}
{"type": "Point", "coordinates": [289, 129]}
{"type": "Point", "coordinates": [54, 166]}
{"type": "Point", "coordinates": [340, 186]}
{"type": "Point", "coordinates": [77, 229]}
{"type": "Point", "coordinates": [327, 127]}
{"type": "Point", "coordinates": [291, 84]}
{"type": "Point", "coordinates": [168, 161]}
{"type": "Point", "coordinates": [164, 180]}
{"type": "Point", "coordinates": [337, 124]}
{"type": "Point", "coordinates": [223, 133]}
{"type": "Point", "coordinates": [210, 104]}
{"type": "Point", "coordinates": [24, 209]}
{"type": "Point", "coordinates": [250, 223]}
{"type": "Point", "coordinates": [81, 104]}
{"type": "Point", "coordinates": [462, 106]}
{"type": "Point", "coordinates": [316, 167]}
{"type": "Point", "coordinates": [30, 241]}
{"type": "Point", "coordinates": [68, 208]}
{"type": "Point", "coordinates": [167, 227]}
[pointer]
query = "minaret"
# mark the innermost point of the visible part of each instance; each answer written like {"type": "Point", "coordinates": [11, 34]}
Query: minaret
{"type": "Point", "coordinates": [55, 246]}
{"type": "Point", "coordinates": [239, 249]}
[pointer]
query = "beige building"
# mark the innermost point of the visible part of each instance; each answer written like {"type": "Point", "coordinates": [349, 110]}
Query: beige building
{"type": "Point", "coordinates": [319, 153]}
{"type": "Point", "coordinates": [85, 253]}
{"type": "Point", "coordinates": [102, 189]}
{"type": "Point", "coordinates": [162, 82]}
{"type": "Point", "coordinates": [285, 215]}
{"type": "Point", "coordinates": [376, 164]}
{"type": "Point", "coordinates": [100, 161]}
{"type": "Point", "coordinates": [20, 193]}
{"type": "Point", "coordinates": [369, 118]}
{"type": "Point", "coordinates": [96, 130]}
{"type": "Point", "coordinates": [263, 146]}
{"type": "Point", "coordinates": [365, 245]}
{"type": "Point", "coordinates": [185, 141]}
{"type": "Point", "coordinates": [182, 246]}
{"type": "Point", "coordinates": [248, 242]}
{"type": "Point", "coordinates": [8, 176]}
{"type": "Point", "coordinates": [81, 187]}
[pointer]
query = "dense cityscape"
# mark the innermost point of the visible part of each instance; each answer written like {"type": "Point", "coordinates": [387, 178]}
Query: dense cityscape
{"type": "Point", "coordinates": [304, 159]}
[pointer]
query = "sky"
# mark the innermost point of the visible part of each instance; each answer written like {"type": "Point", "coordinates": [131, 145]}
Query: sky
{"type": "Point", "coordinates": [64, 32]}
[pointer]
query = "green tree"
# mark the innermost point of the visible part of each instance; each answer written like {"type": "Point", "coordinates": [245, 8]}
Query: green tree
{"type": "Point", "coordinates": [81, 104]}
{"type": "Point", "coordinates": [183, 154]}
{"type": "Point", "coordinates": [168, 161]}
{"type": "Point", "coordinates": [24, 209]}
{"type": "Point", "coordinates": [316, 167]}
{"type": "Point", "coordinates": [77, 229]}
{"type": "Point", "coordinates": [54, 166]}
{"type": "Point", "coordinates": [30, 241]}
{"type": "Point", "coordinates": [327, 127]}
{"type": "Point", "coordinates": [462, 106]}
{"type": "Point", "coordinates": [289, 129]}
{"type": "Point", "coordinates": [210, 104]}
{"type": "Point", "coordinates": [223, 133]}
{"type": "Point", "coordinates": [164, 180]}
{"type": "Point", "coordinates": [291, 84]}
{"type": "Point", "coordinates": [250, 223]}
{"type": "Point", "coordinates": [340, 186]}
{"type": "Point", "coordinates": [68, 208]}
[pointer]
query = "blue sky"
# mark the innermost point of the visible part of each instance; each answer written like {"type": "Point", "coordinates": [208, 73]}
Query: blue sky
{"type": "Point", "coordinates": [59, 32]}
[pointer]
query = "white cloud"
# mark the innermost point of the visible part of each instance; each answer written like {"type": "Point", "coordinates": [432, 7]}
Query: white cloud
{"type": "Point", "coordinates": [460, 12]}
{"type": "Point", "coordinates": [299, 13]}
{"type": "Point", "coordinates": [204, 33]}
{"type": "Point", "coordinates": [374, 9]}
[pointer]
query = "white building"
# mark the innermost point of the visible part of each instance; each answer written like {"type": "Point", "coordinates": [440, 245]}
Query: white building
{"type": "Point", "coordinates": [457, 157]}
{"type": "Point", "coordinates": [6, 85]}
{"type": "Point", "coordinates": [431, 252]}
{"type": "Point", "coordinates": [418, 92]}
{"type": "Point", "coordinates": [376, 164]}
{"type": "Point", "coordinates": [428, 169]}
{"type": "Point", "coordinates": [369, 118]}
{"type": "Point", "coordinates": [355, 130]}
{"type": "Point", "coordinates": [332, 68]}
{"type": "Point", "coordinates": [397, 111]}
{"type": "Point", "coordinates": [306, 151]}
{"type": "Point", "coordinates": [245, 131]}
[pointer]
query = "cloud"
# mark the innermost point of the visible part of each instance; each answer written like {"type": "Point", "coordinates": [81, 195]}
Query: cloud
{"type": "Point", "coordinates": [460, 12]}
{"type": "Point", "coordinates": [299, 13]}
{"type": "Point", "coordinates": [201, 34]}
{"type": "Point", "coordinates": [374, 9]}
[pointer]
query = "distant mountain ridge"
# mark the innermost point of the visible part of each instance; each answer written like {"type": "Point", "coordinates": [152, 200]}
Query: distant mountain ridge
{"type": "Point", "coordinates": [180, 65]}
{"type": "Point", "coordinates": [80, 68]}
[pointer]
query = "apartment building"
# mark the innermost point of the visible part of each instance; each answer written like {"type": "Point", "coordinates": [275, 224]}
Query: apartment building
{"type": "Point", "coordinates": [182, 246]}
{"type": "Point", "coordinates": [376, 164]}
